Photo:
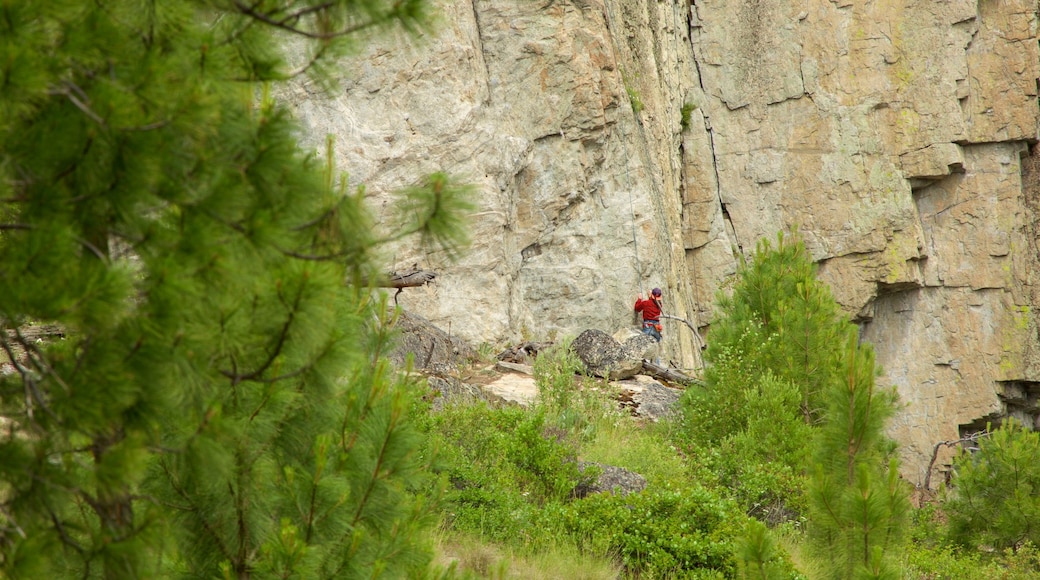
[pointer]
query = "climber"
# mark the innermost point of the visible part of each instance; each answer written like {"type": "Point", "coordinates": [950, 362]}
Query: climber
{"type": "Point", "coordinates": [651, 310]}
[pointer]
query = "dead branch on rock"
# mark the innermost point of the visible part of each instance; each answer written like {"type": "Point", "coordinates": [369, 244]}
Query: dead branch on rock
{"type": "Point", "coordinates": [411, 278]}
{"type": "Point", "coordinates": [523, 354]}
{"type": "Point", "coordinates": [973, 438]}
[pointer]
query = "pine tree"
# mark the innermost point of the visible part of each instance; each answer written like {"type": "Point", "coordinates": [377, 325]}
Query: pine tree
{"type": "Point", "coordinates": [779, 311]}
{"type": "Point", "coordinates": [217, 405]}
{"type": "Point", "coordinates": [857, 502]}
{"type": "Point", "coordinates": [771, 353]}
{"type": "Point", "coordinates": [994, 498]}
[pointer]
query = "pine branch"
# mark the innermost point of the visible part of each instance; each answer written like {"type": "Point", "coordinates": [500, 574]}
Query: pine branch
{"type": "Point", "coordinates": [199, 514]}
{"type": "Point", "coordinates": [65, 538]}
{"type": "Point", "coordinates": [67, 91]}
{"type": "Point", "coordinates": [284, 23]}
{"type": "Point", "coordinates": [277, 350]}
{"type": "Point", "coordinates": [7, 514]}
{"type": "Point", "coordinates": [38, 360]}
{"type": "Point", "coordinates": [28, 381]}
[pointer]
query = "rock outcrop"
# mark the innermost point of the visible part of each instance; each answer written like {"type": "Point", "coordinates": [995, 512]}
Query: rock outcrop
{"type": "Point", "coordinates": [605, 357]}
{"type": "Point", "coordinates": [429, 347]}
{"type": "Point", "coordinates": [647, 398]}
{"type": "Point", "coordinates": [619, 145]}
{"type": "Point", "coordinates": [611, 479]}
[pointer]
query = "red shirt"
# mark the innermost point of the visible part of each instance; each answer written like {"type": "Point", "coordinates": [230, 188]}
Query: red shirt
{"type": "Point", "coordinates": [651, 311]}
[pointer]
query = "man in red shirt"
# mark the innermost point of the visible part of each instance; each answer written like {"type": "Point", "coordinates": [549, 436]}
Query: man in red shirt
{"type": "Point", "coordinates": [651, 309]}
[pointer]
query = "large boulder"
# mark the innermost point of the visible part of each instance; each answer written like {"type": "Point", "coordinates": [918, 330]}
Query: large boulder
{"type": "Point", "coordinates": [604, 357]}
{"type": "Point", "coordinates": [432, 349]}
{"type": "Point", "coordinates": [512, 389]}
{"type": "Point", "coordinates": [641, 346]}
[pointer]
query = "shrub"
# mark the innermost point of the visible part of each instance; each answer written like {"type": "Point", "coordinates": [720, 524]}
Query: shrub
{"type": "Point", "coordinates": [954, 563]}
{"type": "Point", "coordinates": [555, 371]}
{"type": "Point", "coordinates": [500, 468]}
{"type": "Point", "coordinates": [995, 495]}
{"type": "Point", "coordinates": [685, 115]}
{"type": "Point", "coordinates": [672, 533]}
{"type": "Point", "coordinates": [771, 357]}
{"type": "Point", "coordinates": [759, 439]}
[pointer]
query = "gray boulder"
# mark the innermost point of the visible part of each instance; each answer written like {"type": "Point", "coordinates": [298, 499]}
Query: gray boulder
{"type": "Point", "coordinates": [615, 480]}
{"type": "Point", "coordinates": [445, 391]}
{"type": "Point", "coordinates": [641, 346]}
{"type": "Point", "coordinates": [647, 398]}
{"type": "Point", "coordinates": [604, 357]}
{"type": "Point", "coordinates": [432, 349]}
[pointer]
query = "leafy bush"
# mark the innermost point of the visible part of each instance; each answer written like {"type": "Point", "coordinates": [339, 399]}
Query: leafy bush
{"type": "Point", "coordinates": [555, 371]}
{"type": "Point", "coordinates": [995, 495]}
{"type": "Point", "coordinates": [954, 563]}
{"type": "Point", "coordinates": [673, 533]}
{"type": "Point", "coordinates": [685, 114]}
{"type": "Point", "coordinates": [754, 440]}
{"type": "Point", "coordinates": [770, 359]}
{"type": "Point", "coordinates": [778, 297]}
{"type": "Point", "coordinates": [500, 467]}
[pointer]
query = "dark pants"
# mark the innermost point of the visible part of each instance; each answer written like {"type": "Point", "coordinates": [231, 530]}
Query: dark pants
{"type": "Point", "coordinates": [651, 329]}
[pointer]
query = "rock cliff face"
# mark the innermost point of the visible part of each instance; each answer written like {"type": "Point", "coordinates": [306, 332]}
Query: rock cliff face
{"type": "Point", "coordinates": [619, 145]}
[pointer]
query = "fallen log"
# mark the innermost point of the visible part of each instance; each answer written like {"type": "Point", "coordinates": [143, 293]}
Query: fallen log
{"type": "Point", "coordinates": [409, 279]}
{"type": "Point", "coordinates": [659, 372]}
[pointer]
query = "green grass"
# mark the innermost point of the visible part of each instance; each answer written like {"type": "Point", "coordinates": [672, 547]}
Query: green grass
{"type": "Point", "coordinates": [471, 557]}
{"type": "Point", "coordinates": [641, 447]}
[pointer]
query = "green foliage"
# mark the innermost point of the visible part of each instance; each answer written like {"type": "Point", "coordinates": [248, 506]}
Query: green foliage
{"type": "Point", "coordinates": [633, 95]}
{"type": "Point", "coordinates": [685, 115]}
{"type": "Point", "coordinates": [995, 495]}
{"type": "Point", "coordinates": [659, 533]}
{"type": "Point", "coordinates": [643, 448]}
{"type": "Point", "coordinates": [219, 405]}
{"type": "Point", "coordinates": [502, 464]}
{"type": "Point", "coordinates": [759, 557]}
{"type": "Point", "coordinates": [555, 372]}
{"type": "Point", "coordinates": [945, 562]}
{"type": "Point", "coordinates": [635, 99]}
{"type": "Point", "coordinates": [770, 357]}
{"type": "Point", "coordinates": [778, 298]}
{"type": "Point", "coordinates": [436, 209]}
{"type": "Point", "coordinates": [754, 440]}
{"type": "Point", "coordinates": [857, 502]}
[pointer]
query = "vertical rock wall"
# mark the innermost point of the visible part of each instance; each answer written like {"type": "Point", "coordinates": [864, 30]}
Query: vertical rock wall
{"type": "Point", "coordinates": [892, 133]}
{"type": "Point", "coordinates": [619, 145]}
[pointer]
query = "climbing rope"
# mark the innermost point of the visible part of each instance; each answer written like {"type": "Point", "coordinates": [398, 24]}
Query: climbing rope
{"type": "Point", "coordinates": [635, 238]}
{"type": "Point", "coordinates": [608, 12]}
{"type": "Point", "coordinates": [624, 146]}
